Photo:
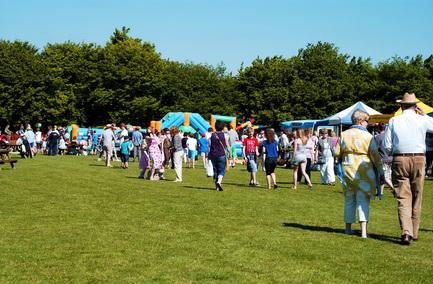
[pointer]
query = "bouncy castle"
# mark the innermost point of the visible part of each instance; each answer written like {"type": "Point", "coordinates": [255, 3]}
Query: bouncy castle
{"type": "Point", "coordinates": [231, 120]}
{"type": "Point", "coordinates": [186, 121]}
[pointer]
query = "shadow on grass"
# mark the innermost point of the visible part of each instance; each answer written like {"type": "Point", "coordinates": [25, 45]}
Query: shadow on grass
{"type": "Point", "coordinates": [113, 167]}
{"type": "Point", "coordinates": [426, 230]}
{"type": "Point", "coordinates": [384, 238]}
{"type": "Point", "coordinates": [239, 184]}
{"type": "Point", "coordinates": [147, 179]}
{"type": "Point", "coordinates": [8, 168]}
{"type": "Point", "coordinates": [198, 187]}
{"type": "Point", "coordinates": [302, 183]}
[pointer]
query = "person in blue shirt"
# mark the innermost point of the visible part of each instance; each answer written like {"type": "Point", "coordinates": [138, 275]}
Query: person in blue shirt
{"type": "Point", "coordinates": [125, 148]}
{"type": "Point", "coordinates": [30, 136]}
{"type": "Point", "coordinates": [270, 150]}
{"type": "Point", "coordinates": [203, 146]}
{"type": "Point", "coordinates": [94, 142]}
{"type": "Point", "coordinates": [137, 140]}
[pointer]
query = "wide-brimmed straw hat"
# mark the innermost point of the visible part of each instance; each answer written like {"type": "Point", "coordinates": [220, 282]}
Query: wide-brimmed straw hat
{"type": "Point", "coordinates": [408, 99]}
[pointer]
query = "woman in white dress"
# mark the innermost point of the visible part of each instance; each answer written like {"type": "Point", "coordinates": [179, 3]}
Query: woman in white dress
{"type": "Point", "coordinates": [326, 154]}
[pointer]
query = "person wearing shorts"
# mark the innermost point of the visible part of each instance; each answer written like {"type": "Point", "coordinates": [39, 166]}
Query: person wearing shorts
{"type": "Point", "coordinates": [270, 151]}
{"type": "Point", "coordinates": [233, 137]}
{"type": "Point", "coordinates": [125, 148]}
{"type": "Point", "coordinates": [191, 144]}
{"type": "Point", "coordinates": [203, 144]}
{"type": "Point", "coordinates": [250, 150]}
{"type": "Point", "coordinates": [94, 142]}
{"type": "Point", "coordinates": [234, 155]}
{"type": "Point", "coordinates": [38, 139]}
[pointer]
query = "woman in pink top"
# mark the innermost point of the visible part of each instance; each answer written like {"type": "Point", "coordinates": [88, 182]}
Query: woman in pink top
{"type": "Point", "coordinates": [334, 138]}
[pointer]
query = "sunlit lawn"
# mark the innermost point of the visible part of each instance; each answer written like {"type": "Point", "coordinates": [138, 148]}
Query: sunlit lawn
{"type": "Point", "coordinates": [69, 219]}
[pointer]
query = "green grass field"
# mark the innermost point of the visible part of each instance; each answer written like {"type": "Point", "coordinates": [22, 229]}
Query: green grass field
{"type": "Point", "coordinates": [70, 219]}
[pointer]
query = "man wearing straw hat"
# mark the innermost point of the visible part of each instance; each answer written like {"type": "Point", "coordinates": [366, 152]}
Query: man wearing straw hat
{"type": "Point", "coordinates": [405, 140]}
{"type": "Point", "coordinates": [107, 143]}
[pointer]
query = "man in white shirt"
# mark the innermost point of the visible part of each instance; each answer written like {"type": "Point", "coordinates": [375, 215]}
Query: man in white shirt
{"type": "Point", "coordinates": [209, 133]}
{"type": "Point", "coordinates": [123, 133]}
{"type": "Point", "coordinates": [38, 139]}
{"type": "Point", "coordinates": [283, 144]}
{"type": "Point", "coordinates": [191, 143]}
{"type": "Point", "coordinates": [405, 141]}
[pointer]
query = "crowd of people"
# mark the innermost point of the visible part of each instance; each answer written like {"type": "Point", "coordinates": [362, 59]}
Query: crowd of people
{"type": "Point", "coordinates": [158, 150]}
{"type": "Point", "coordinates": [29, 142]}
{"type": "Point", "coordinates": [302, 150]}
{"type": "Point", "coordinates": [364, 163]}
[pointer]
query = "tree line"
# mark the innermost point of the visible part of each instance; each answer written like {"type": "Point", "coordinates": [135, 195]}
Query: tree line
{"type": "Point", "coordinates": [128, 80]}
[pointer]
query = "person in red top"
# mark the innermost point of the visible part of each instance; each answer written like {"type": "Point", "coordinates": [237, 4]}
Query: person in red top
{"type": "Point", "coordinates": [250, 150]}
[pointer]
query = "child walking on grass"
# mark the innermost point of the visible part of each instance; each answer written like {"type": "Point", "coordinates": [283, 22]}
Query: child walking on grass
{"type": "Point", "coordinates": [125, 149]}
{"type": "Point", "coordinates": [250, 151]}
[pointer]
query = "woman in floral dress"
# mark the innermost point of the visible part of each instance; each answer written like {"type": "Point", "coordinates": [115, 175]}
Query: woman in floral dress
{"type": "Point", "coordinates": [155, 155]}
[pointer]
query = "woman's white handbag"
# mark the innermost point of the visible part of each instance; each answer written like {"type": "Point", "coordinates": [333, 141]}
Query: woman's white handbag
{"type": "Point", "coordinates": [209, 168]}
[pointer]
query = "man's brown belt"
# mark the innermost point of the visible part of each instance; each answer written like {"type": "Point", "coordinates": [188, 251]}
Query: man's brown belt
{"type": "Point", "coordinates": [408, 154]}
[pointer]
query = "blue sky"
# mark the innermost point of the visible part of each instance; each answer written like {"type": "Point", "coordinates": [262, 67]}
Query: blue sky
{"type": "Point", "coordinates": [229, 31]}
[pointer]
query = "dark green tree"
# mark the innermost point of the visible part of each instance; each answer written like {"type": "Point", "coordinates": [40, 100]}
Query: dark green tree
{"type": "Point", "coordinates": [127, 80]}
